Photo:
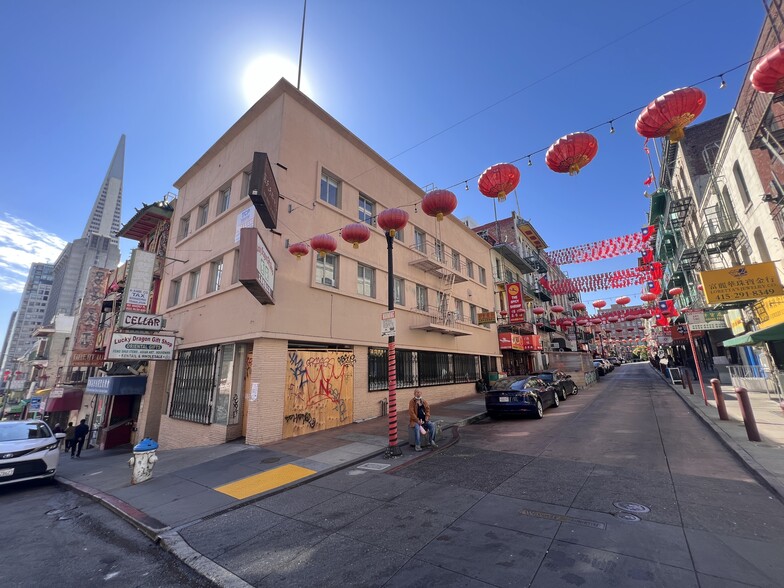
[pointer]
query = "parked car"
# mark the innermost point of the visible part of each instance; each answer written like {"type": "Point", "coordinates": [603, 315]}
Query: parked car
{"type": "Point", "coordinates": [517, 395]}
{"type": "Point", "coordinates": [561, 380]}
{"type": "Point", "coordinates": [608, 367]}
{"type": "Point", "coordinates": [601, 369]}
{"type": "Point", "coordinates": [28, 451]}
{"type": "Point", "coordinates": [615, 361]}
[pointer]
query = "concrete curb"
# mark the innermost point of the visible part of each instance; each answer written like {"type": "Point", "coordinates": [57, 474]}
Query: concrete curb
{"type": "Point", "coordinates": [179, 548]}
{"type": "Point", "coordinates": [752, 465]}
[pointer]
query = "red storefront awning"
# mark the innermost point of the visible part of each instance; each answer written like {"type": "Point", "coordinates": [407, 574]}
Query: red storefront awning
{"type": "Point", "coordinates": [70, 400]}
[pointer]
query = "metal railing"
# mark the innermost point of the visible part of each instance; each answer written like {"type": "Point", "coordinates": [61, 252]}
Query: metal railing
{"type": "Point", "coordinates": [756, 378]}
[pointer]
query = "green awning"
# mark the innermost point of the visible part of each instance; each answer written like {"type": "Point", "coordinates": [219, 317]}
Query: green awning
{"type": "Point", "coordinates": [774, 333]}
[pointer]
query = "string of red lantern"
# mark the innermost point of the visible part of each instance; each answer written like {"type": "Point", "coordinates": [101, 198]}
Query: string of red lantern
{"type": "Point", "coordinates": [604, 249]}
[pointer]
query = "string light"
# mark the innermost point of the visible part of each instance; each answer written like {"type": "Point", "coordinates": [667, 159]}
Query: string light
{"type": "Point", "coordinates": [612, 128]}
{"type": "Point", "coordinates": [530, 163]}
{"type": "Point", "coordinates": [723, 83]}
{"type": "Point", "coordinates": [467, 188]}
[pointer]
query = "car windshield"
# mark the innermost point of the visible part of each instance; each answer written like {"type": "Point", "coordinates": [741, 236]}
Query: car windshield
{"type": "Point", "coordinates": [23, 430]}
{"type": "Point", "coordinates": [546, 377]}
{"type": "Point", "coordinates": [509, 384]}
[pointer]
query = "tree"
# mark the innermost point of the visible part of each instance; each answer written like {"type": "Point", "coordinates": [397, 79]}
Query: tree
{"type": "Point", "coordinates": [641, 352]}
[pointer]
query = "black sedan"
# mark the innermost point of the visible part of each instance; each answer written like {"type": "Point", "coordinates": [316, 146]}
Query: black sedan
{"type": "Point", "coordinates": [560, 380]}
{"type": "Point", "coordinates": [518, 395]}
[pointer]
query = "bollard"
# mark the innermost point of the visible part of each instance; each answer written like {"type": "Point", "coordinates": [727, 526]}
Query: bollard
{"type": "Point", "coordinates": [747, 414]}
{"type": "Point", "coordinates": [688, 381]}
{"type": "Point", "coordinates": [717, 395]}
{"type": "Point", "coordinates": [683, 378]}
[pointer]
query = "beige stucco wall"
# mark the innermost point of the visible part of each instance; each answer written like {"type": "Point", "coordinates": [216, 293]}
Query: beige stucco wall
{"type": "Point", "coordinates": [301, 138]}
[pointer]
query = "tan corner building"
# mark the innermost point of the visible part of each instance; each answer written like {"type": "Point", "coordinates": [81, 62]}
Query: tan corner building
{"type": "Point", "coordinates": [308, 352]}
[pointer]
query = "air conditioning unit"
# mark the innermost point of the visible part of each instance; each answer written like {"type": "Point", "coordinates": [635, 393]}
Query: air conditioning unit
{"type": "Point", "coordinates": [327, 281]}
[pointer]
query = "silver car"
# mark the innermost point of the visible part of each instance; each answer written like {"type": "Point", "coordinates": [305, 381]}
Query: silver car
{"type": "Point", "coordinates": [28, 451]}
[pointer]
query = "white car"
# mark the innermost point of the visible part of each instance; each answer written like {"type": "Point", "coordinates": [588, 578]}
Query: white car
{"type": "Point", "coordinates": [28, 451]}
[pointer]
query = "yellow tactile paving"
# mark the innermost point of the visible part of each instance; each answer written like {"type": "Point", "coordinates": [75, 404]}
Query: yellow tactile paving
{"type": "Point", "coordinates": [264, 481]}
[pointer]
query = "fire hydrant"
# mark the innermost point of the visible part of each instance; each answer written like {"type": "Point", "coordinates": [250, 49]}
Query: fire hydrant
{"type": "Point", "coordinates": [143, 460]}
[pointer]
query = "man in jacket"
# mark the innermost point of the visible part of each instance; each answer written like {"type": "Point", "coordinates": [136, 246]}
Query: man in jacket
{"type": "Point", "coordinates": [80, 433]}
{"type": "Point", "coordinates": [419, 416]}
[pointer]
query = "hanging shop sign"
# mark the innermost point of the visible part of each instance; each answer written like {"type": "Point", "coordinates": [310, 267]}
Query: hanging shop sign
{"type": "Point", "coordinates": [263, 190]}
{"type": "Point", "coordinates": [136, 347]}
{"type": "Point", "coordinates": [486, 318]}
{"type": "Point", "coordinates": [515, 303]}
{"type": "Point", "coordinates": [706, 320]}
{"type": "Point", "coordinates": [257, 268]}
{"type": "Point", "coordinates": [136, 295]}
{"type": "Point", "coordinates": [519, 342]}
{"type": "Point", "coordinates": [741, 282]}
{"type": "Point", "coordinates": [141, 321]}
{"type": "Point", "coordinates": [83, 353]}
{"type": "Point", "coordinates": [735, 319]}
{"type": "Point", "coordinates": [769, 311]}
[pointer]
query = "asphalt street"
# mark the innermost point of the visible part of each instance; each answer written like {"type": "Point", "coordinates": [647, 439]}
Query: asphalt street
{"type": "Point", "coordinates": [54, 537]}
{"type": "Point", "coordinates": [622, 485]}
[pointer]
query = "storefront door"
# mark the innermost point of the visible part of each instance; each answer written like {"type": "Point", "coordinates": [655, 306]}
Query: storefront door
{"type": "Point", "coordinates": [246, 387]}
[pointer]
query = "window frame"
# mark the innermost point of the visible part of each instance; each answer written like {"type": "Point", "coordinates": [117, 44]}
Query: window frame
{"type": "Point", "coordinates": [421, 298]}
{"type": "Point", "coordinates": [366, 280]}
{"type": "Point", "coordinates": [185, 223]}
{"type": "Point", "coordinates": [175, 288]}
{"type": "Point", "coordinates": [216, 275]}
{"type": "Point", "coordinates": [224, 200]}
{"type": "Point", "coordinates": [365, 216]}
{"type": "Point", "coordinates": [194, 277]}
{"type": "Point", "coordinates": [321, 268]}
{"type": "Point", "coordinates": [202, 213]}
{"type": "Point", "coordinates": [325, 179]}
{"type": "Point", "coordinates": [399, 291]}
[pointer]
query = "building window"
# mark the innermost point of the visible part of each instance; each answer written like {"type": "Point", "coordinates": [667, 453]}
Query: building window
{"type": "Point", "coordinates": [459, 310]}
{"type": "Point", "coordinates": [326, 270]}
{"type": "Point", "coordinates": [400, 292]}
{"type": "Point", "coordinates": [470, 267]}
{"type": "Point", "coordinates": [330, 190]}
{"type": "Point", "coordinates": [201, 218]}
{"type": "Point", "coordinates": [762, 249]}
{"type": "Point", "coordinates": [194, 384]}
{"type": "Point", "coordinates": [472, 310]}
{"type": "Point", "coordinates": [185, 223]}
{"type": "Point", "coordinates": [482, 275]}
{"type": "Point", "coordinates": [193, 284]}
{"type": "Point", "coordinates": [421, 297]}
{"type": "Point", "coordinates": [741, 181]}
{"type": "Point", "coordinates": [455, 260]}
{"type": "Point", "coordinates": [174, 292]}
{"type": "Point", "coordinates": [399, 235]}
{"type": "Point", "coordinates": [216, 271]}
{"type": "Point", "coordinates": [439, 250]}
{"type": "Point", "coordinates": [245, 185]}
{"type": "Point", "coordinates": [224, 198]}
{"type": "Point", "coordinates": [366, 281]}
{"type": "Point", "coordinates": [420, 241]}
{"type": "Point", "coordinates": [367, 210]}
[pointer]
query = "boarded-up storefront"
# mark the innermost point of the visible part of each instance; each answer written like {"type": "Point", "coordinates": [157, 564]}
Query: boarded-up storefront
{"type": "Point", "coordinates": [319, 391]}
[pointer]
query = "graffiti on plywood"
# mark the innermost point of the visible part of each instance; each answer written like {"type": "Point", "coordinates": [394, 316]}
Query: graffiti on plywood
{"type": "Point", "coordinates": [319, 391]}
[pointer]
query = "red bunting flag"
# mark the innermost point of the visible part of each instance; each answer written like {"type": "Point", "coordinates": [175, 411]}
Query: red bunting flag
{"type": "Point", "coordinates": [649, 180]}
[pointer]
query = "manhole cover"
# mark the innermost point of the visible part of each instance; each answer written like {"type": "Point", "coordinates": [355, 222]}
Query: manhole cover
{"type": "Point", "coordinates": [631, 507]}
{"type": "Point", "coordinates": [59, 511]}
{"type": "Point", "coordinates": [376, 467]}
{"type": "Point", "coordinates": [625, 516]}
{"type": "Point", "coordinates": [271, 460]}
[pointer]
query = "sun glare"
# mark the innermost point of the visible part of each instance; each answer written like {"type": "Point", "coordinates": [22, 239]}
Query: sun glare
{"type": "Point", "coordinates": [264, 72]}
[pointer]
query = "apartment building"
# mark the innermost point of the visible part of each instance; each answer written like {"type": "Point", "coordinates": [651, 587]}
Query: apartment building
{"type": "Point", "coordinates": [301, 348]}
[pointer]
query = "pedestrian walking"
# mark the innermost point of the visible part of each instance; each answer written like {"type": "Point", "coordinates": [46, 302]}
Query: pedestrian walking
{"type": "Point", "coordinates": [69, 436]}
{"type": "Point", "coordinates": [419, 419]}
{"type": "Point", "coordinates": [80, 433]}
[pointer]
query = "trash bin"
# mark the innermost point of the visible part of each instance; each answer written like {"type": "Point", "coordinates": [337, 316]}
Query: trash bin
{"type": "Point", "coordinates": [143, 460]}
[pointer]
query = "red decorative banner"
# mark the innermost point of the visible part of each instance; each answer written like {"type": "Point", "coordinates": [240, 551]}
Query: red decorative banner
{"type": "Point", "coordinates": [605, 249]}
{"type": "Point", "coordinates": [515, 303]}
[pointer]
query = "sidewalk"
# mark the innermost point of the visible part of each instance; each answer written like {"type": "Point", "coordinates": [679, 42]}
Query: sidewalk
{"type": "Point", "coordinates": [766, 458]}
{"type": "Point", "coordinates": [193, 483]}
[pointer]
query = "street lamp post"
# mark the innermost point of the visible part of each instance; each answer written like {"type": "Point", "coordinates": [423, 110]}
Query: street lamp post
{"type": "Point", "coordinates": [392, 220]}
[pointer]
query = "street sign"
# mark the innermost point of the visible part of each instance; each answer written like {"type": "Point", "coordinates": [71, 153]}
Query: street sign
{"type": "Point", "coordinates": [388, 324]}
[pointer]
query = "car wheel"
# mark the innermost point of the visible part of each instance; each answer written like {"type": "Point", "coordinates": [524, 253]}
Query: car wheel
{"type": "Point", "coordinates": [556, 399]}
{"type": "Point", "coordinates": [561, 393]}
{"type": "Point", "coordinates": [539, 410]}
{"type": "Point", "coordinates": [576, 389]}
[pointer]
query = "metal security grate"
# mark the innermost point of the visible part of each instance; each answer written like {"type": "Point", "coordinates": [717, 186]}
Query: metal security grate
{"type": "Point", "coordinates": [194, 384]}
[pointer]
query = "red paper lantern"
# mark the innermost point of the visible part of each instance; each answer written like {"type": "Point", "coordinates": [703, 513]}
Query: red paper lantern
{"type": "Point", "coordinates": [355, 233]}
{"type": "Point", "coordinates": [613, 319]}
{"type": "Point", "coordinates": [538, 310]}
{"type": "Point", "coordinates": [648, 297]}
{"type": "Point", "coordinates": [623, 300]}
{"type": "Point", "coordinates": [557, 308]}
{"type": "Point", "coordinates": [498, 180]}
{"type": "Point", "coordinates": [438, 203]}
{"type": "Point", "coordinates": [582, 321]}
{"type": "Point", "coordinates": [324, 244]}
{"type": "Point", "coordinates": [768, 76]}
{"type": "Point", "coordinates": [599, 304]}
{"type": "Point", "coordinates": [567, 323]}
{"type": "Point", "coordinates": [700, 287]}
{"type": "Point", "coordinates": [392, 220]}
{"type": "Point", "coordinates": [299, 249]}
{"type": "Point", "coordinates": [677, 291]}
{"type": "Point", "coordinates": [596, 321]}
{"type": "Point", "coordinates": [571, 153]}
{"type": "Point", "coordinates": [578, 306]}
{"type": "Point", "coordinates": [670, 113]}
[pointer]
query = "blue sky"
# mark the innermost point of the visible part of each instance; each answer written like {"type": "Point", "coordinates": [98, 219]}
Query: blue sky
{"type": "Point", "coordinates": [441, 88]}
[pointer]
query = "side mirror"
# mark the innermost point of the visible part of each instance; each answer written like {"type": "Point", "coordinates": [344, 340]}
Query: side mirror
{"type": "Point", "coordinates": [59, 435]}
